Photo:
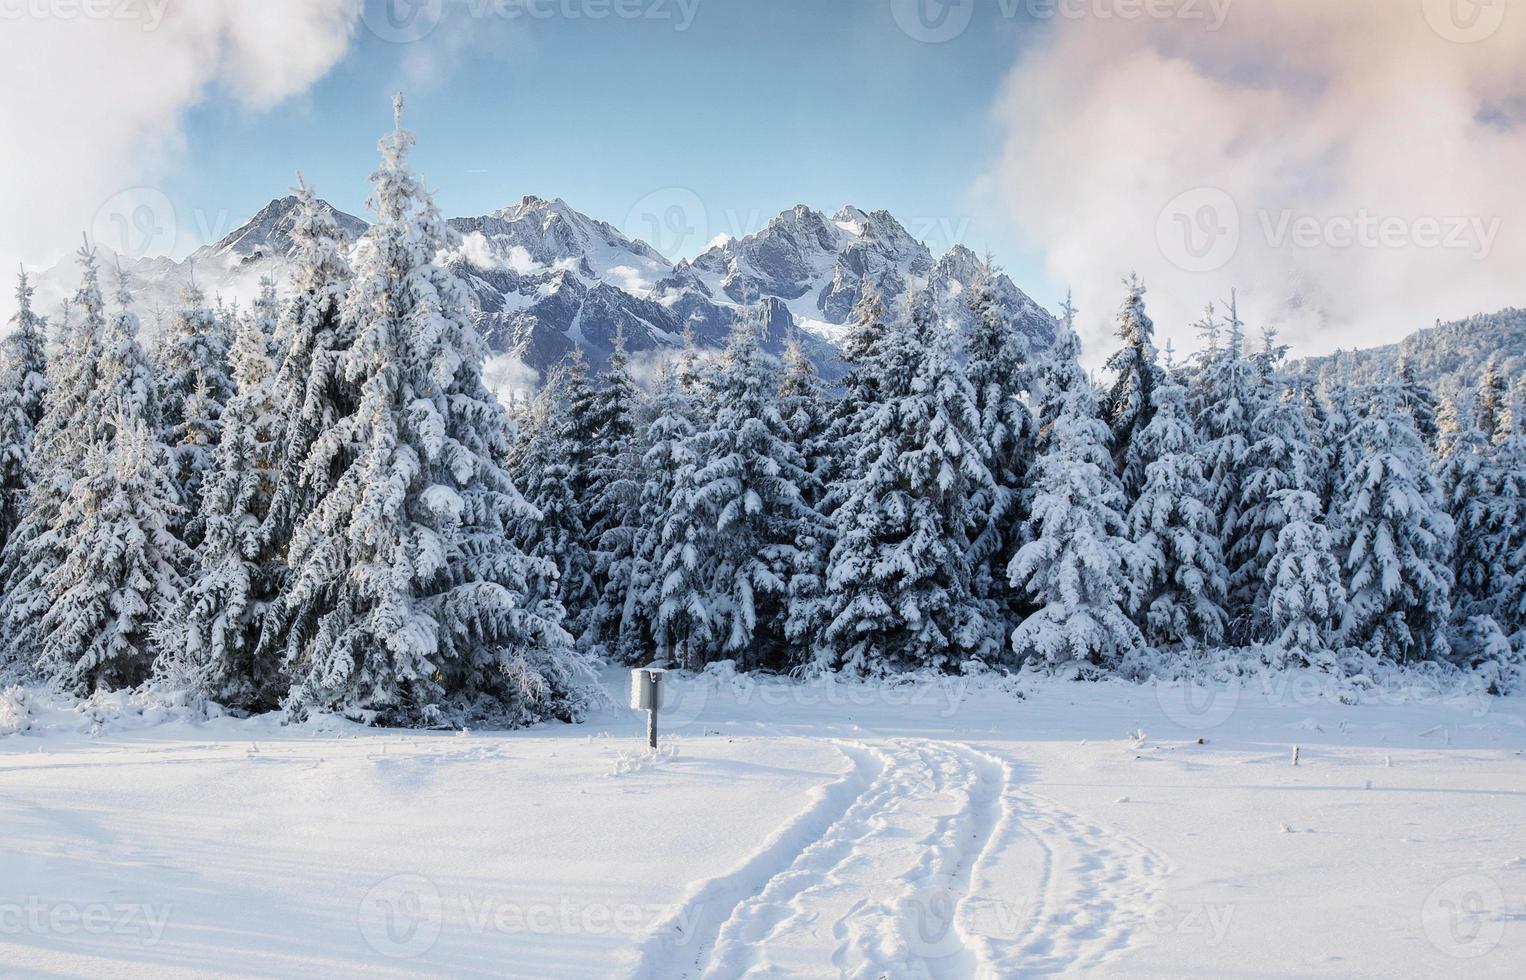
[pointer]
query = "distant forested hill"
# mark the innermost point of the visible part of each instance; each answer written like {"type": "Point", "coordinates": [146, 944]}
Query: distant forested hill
{"type": "Point", "coordinates": [1449, 356]}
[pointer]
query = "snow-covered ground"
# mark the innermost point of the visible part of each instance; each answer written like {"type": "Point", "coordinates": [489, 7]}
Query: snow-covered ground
{"type": "Point", "coordinates": [938, 828]}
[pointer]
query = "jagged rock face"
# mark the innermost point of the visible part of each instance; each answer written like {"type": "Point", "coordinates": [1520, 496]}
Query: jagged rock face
{"type": "Point", "coordinates": [549, 279]}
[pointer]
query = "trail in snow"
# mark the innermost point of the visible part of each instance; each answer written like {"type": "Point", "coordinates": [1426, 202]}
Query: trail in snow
{"type": "Point", "coordinates": [936, 865]}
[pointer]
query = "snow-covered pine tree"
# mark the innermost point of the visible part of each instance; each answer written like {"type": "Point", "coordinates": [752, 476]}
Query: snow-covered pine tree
{"type": "Point", "coordinates": [866, 335]}
{"type": "Point", "coordinates": [1136, 368]}
{"type": "Point", "coordinates": [191, 370]}
{"type": "Point", "coordinates": [127, 392]}
{"type": "Point", "coordinates": [899, 583]}
{"type": "Point", "coordinates": [1507, 518]}
{"type": "Point", "coordinates": [544, 466]}
{"type": "Point", "coordinates": [1398, 538]}
{"type": "Point", "coordinates": [806, 409]}
{"type": "Point", "coordinates": [121, 567]}
{"type": "Point", "coordinates": [311, 395]}
{"type": "Point", "coordinates": [210, 644]}
{"type": "Point", "coordinates": [997, 362]}
{"type": "Point", "coordinates": [23, 393]}
{"type": "Point", "coordinates": [1074, 568]}
{"type": "Point", "coordinates": [68, 428]}
{"type": "Point", "coordinates": [1177, 582]}
{"type": "Point", "coordinates": [1227, 395]}
{"type": "Point", "coordinates": [1337, 453]}
{"type": "Point", "coordinates": [412, 603]}
{"type": "Point", "coordinates": [1281, 455]}
{"type": "Point", "coordinates": [637, 587]}
{"type": "Point", "coordinates": [1420, 401]}
{"type": "Point", "coordinates": [1306, 600]}
{"type": "Point", "coordinates": [744, 503]}
{"type": "Point", "coordinates": [1051, 379]}
{"type": "Point", "coordinates": [613, 486]}
{"type": "Point", "coordinates": [807, 412]}
{"type": "Point", "coordinates": [1467, 481]}
{"type": "Point", "coordinates": [1490, 405]}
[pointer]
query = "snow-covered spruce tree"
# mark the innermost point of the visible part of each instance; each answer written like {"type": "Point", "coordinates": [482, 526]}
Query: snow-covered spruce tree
{"type": "Point", "coordinates": [1129, 403]}
{"type": "Point", "coordinates": [1338, 455]}
{"type": "Point", "coordinates": [1177, 582]}
{"type": "Point", "coordinates": [70, 425]}
{"type": "Point", "coordinates": [421, 609]}
{"type": "Point", "coordinates": [210, 644]}
{"type": "Point", "coordinates": [126, 376]}
{"type": "Point", "coordinates": [581, 419]}
{"type": "Point", "coordinates": [1398, 538]}
{"type": "Point", "coordinates": [899, 583]}
{"type": "Point", "coordinates": [1490, 405]}
{"type": "Point", "coordinates": [1506, 546]}
{"type": "Point", "coordinates": [121, 567]}
{"type": "Point", "coordinates": [1074, 569]}
{"type": "Point", "coordinates": [311, 395]}
{"type": "Point", "coordinates": [624, 618]}
{"type": "Point", "coordinates": [613, 486]}
{"type": "Point", "coordinates": [867, 333]}
{"type": "Point", "coordinates": [806, 410]}
{"type": "Point", "coordinates": [1227, 397]}
{"type": "Point", "coordinates": [192, 373]}
{"type": "Point", "coordinates": [731, 535]}
{"type": "Point", "coordinates": [543, 464]}
{"type": "Point", "coordinates": [1420, 401]}
{"type": "Point", "coordinates": [1051, 379]}
{"type": "Point", "coordinates": [1281, 456]}
{"type": "Point", "coordinates": [1467, 482]}
{"type": "Point", "coordinates": [638, 586]}
{"type": "Point", "coordinates": [997, 362]}
{"type": "Point", "coordinates": [23, 393]}
{"type": "Point", "coordinates": [1306, 600]}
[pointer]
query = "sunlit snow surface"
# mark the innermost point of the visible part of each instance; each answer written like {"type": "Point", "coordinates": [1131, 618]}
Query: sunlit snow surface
{"type": "Point", "coordinates": [936, 829]}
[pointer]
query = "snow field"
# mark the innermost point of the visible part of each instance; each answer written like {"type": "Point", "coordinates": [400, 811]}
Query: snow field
{"type": "Point", "coordinates": [928, 829]}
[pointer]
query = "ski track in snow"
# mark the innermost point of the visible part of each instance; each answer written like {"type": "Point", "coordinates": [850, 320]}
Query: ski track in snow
{"type": "Point", "coordinates": [925, 860]}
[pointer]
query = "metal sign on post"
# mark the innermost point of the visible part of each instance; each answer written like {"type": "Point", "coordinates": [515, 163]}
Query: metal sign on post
{"type": "Point", "coordinates": [646, 694]}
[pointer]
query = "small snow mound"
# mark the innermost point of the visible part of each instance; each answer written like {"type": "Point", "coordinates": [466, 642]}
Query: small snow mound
{"type": "Point", "coordinates": [631, 762]}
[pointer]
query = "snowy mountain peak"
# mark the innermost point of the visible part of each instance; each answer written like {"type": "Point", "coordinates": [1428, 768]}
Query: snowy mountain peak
{"type": "Point", "coordinates": [549, 279]}
{"type": "Point", "coordinates": [268, 233]}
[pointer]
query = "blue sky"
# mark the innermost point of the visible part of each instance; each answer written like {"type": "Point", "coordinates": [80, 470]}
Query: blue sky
{"type": "Point", "coordinates": [758, 105]}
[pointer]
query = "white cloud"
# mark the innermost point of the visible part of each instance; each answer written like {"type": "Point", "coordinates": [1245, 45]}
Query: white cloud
{"type": "Point", "coordinates": [96, 94]}
{"type": "Point", "coordinates": [1367, 152]}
